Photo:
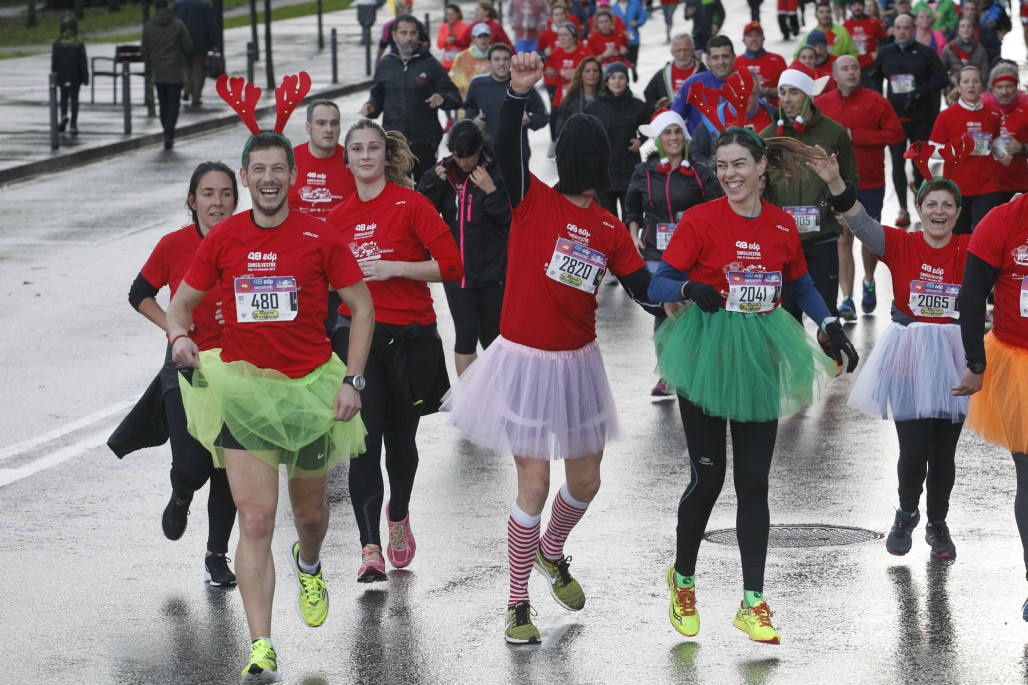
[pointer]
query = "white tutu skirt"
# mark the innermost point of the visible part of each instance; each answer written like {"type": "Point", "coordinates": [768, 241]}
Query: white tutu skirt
{"type": "Point", "coordinates": [911, 373]}
{"type": "Point", "coordinates": [535, 403]}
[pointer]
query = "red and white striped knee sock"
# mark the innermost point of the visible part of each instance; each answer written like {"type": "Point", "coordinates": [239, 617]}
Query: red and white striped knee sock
{"type": "Point", "coordinates": [522, 539]}
{"type": "Point", "coordinates": [566, 512]}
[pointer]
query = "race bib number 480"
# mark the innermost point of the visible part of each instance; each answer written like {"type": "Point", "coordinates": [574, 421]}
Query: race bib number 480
{"type": "Point", "coordinates": [934, 300]}
{"type": "Point", "coordinates": [265, 299]}
{"type": "Point", "coordinates": [753, 293]}
{"type": "Point", "coordinates": [577, 266]}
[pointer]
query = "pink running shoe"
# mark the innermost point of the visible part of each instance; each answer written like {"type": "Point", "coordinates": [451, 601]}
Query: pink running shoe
{"type": "Point", "coordinates": [372, 565]}
{"type": "Point", "coordinates": [401, 545]}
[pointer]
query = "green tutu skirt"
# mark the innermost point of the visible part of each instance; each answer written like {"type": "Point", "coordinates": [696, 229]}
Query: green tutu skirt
{"type": "Point", "coordinates": [743, 367]}
{"type": "Point", "coordinates": [281, 420]}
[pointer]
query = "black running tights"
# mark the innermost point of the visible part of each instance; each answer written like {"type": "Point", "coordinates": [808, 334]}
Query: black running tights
{"type": "Point", "coordinates": [753, 443]}
{"type": "Point", "coordinates": [927, 458]}
{"type": "Point", "coordinates": [191, 467]}
{"type": "Point", "coordinates": [1021, 502]}
{"type": "Point", "coordinates": [388, 419]}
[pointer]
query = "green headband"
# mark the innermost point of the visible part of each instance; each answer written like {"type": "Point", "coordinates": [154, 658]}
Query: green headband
{"type": "Point", "coordinates": [289, 146]}
{"type": "Point", "coordinates": [924, 185]}
{"type": "Point", "coordinates": [748, 131]}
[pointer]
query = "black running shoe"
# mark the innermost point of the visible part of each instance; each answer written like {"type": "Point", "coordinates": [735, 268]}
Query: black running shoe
{"type": "Point", "coordinates": [937, 535]}
{"type": "Point", "coordinates": [175, 517]}
{"type": "Point", "coordinates": [216, 570]}
{"type": "Point", "coordinates": [899, 541]}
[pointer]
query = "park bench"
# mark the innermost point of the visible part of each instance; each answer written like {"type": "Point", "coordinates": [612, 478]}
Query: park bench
{"type": "Point", "coordinates": [131, 54]}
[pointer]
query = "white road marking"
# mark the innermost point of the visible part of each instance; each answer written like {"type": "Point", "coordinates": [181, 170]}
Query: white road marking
{"type": "Point", "coordinates": [84, 422]}
{"type": "Point", "coordinates": [8, 476]}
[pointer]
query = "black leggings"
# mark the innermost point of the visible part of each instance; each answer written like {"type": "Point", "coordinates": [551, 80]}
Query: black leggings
{"type": "Point", "coordinates": [476, 314]}
{"type": "Point", "coordinates": [914, 130]}
{"type": "Point", "coordinates": [753, 444]}
{"type": "Point", "coordinates": [70, 95]}
{"type": "Point", "coordinates": [1021, 502]}
{"type": "Point", "coordinates": [169, 99]}
{"type": "Point", "coordinates": [823, 267]}
{"type": "Point", "coordinates": [191, 467]}
{"type": "Point", "coordinates": [425, 152]}
{"type": "Point", "coordinates": [973, 209]}
{"type": "Point", "coordinates": [388, 419]}
{"type": "Point", "coordinates": [555, 115]}
{"type": "Point", "coordinates": [927, 448]}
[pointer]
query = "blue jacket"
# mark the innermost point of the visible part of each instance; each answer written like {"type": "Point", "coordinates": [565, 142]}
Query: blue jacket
{"type": "Point", "coordinates": [692, 116]}
{"type": "Point", "coordinates": [636, 13]}
{"type": "Point", "coordinates": [198, 16]}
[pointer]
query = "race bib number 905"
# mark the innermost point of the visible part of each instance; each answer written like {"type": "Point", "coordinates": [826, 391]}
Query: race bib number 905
{"type": "Point", "coordinates": [753, 293]}
{"type": "Point", "coordinates": [270, 298]}
{"type": "Point", "coordinates": [807, 217]}
{"type": "Point", "coordinates": [935, 300]}
{"type": "Point", "coordinates": [577, 266]}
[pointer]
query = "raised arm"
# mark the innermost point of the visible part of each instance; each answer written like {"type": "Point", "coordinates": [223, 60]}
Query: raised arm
{"type": "Point", "coordinates": [526, 69]}
{"type": "Point", "coordinates": [866, 229]}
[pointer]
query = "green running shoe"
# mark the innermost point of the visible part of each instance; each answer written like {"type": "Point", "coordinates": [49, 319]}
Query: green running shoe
{"type": "Point", "coordinates": [263, 666]}
{"type": "Point", "coordinates": [519, 630]}
{"type": "Point", "coordinates": [313, 595]}
{"type": "Point", "coordinates": [682, 611]}
{"type": "Point", "coordinates": [564, 588]}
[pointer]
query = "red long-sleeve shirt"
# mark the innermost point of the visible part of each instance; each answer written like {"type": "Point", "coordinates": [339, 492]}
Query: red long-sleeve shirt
{"type": "Point", "coordinates": [872, 124]}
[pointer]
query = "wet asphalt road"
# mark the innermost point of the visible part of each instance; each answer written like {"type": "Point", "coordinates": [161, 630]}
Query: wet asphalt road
{"type": "Point", "coordinates": [93, 593]}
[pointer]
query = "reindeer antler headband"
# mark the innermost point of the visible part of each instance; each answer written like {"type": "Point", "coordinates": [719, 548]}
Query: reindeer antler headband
{"type": "Point", "coordinates": [736, 90]}
{"type": "Point", "coordinates": [954, 153]}
{"type": "Point", "coordinates": [243, 96]}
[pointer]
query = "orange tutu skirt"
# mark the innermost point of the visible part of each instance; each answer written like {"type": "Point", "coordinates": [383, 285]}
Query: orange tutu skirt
{"type": "Point", "coordinates": [999, 411]}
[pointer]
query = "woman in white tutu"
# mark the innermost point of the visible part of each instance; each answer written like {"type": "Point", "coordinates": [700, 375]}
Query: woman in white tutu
{"type": "Point", "coordinates": [540, 389]}
{"type": "Point", "coordinates": [911, 373]}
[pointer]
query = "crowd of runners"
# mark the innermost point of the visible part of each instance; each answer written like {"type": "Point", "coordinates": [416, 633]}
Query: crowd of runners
{"type": "Point", "coordinates": [724, 199]}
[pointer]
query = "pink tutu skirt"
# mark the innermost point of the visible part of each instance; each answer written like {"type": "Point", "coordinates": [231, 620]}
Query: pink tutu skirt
{"type": "Point", "coordinates": [535, 403]}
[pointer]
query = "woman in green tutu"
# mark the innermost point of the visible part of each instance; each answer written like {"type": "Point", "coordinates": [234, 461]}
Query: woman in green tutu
{"type": "Point", "coordinates": [733, 355]}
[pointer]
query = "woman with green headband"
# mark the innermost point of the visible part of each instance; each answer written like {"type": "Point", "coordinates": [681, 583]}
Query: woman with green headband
{"type": "Point", "coordinates": [736, 358]}
{"type": "Point", "coordinates": [910, 375]}
{"type": "Point", "coordinates": [671, 181]}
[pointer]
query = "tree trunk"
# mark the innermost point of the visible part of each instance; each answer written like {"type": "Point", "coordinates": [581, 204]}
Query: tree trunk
{"type": "Point", "coordinates": [80, 9]}
{"type": "Point", "coordinates": [30, 20]}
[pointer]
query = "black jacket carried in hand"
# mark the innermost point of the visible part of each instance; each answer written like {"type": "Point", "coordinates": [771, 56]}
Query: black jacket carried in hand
{"type": "Point", "coordinates": [479, 222]}
{"type": "Point", "coordinates": [929, 75]}
{"type": "Point", "coordinates": [400, 89]}
{"type": "Point", "coordinates": [68, 59]}
{"type": "Point", "coordinates": [649, 191]}
{"type": "Point", "coordinates": [621, 116]}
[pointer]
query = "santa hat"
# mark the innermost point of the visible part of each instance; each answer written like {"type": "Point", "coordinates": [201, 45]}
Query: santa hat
{"type": "Point", "coordinates": [663, 118]}
{"type": "Point", "coordinates": [802, 78]}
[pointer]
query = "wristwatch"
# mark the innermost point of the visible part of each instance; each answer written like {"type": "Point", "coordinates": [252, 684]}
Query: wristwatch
{"type": "Point", "coordinates": [976, 367]}
{"type": "Point", "coordinates": [357, 382]}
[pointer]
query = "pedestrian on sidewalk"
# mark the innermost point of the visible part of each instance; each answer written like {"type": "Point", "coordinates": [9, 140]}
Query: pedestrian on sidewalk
{"type": "Point", "coordinates": [198, 16]}
{"type": "Point", "coordinates": [68, 61]}
{"type": "Point", "coordinates": [164, 46]}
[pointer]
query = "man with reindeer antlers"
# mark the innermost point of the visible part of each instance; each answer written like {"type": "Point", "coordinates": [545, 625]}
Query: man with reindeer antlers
{"type": "Point", "coordinates": [274, 393]}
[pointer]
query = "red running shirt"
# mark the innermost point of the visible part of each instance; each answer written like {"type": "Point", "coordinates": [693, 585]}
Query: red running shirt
{"type": "Point", "coordinates": [979, 173]}
{"type": "Point", "coordinates": [167, 265]}
{"type": "Point", "coordinates": [598, 43]}
{"type": "Point", "coordinates": [539, 311]}
{"type": "Point", "coordinates": [865, 33]}
{"type": "Point", "coordinates": [564, 63]}
{"type": "Point", "coordinates": [911, 259]}
{"type": "Point", "coordinates": [300, 248]}
{"type": "Point", "coordinates": [711, 240]}
{"type": "Point", "coordinates": [766, 69]}
{"type": "Point", "coordinates": [680, 76]}
{"type": "Point", "coordinates": [321, 184]}
{"type": "Point", "coordinates": [397, 225]}
{"type": "Point", "coordinates": [1001, 239]}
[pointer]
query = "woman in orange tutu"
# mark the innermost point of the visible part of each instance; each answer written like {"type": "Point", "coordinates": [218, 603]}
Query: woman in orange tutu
{"type": "Point", "coordinates": [997, 363]}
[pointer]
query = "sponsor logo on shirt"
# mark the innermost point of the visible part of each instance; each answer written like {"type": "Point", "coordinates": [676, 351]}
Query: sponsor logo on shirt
{"type": "Point", "coordinates": [313, 235]}
{"type": "Point", "coordinates": [315, 195]}
{"type": "Point", "coordinates": [400, 202]}
{"type": "Point", "coordinates": [260, 261]}
{"type": "Point", "coordinates": [361, 231]}
{"type": "Point", "coordinates": [745, 250]}
{"type": "Point", "coordinates": [932, 273]}
{"type": "Point", "coordinates": [578, 234]}
{"type": "Point", "coordinates": [1020, 254]}
{"type": "Point", "coordinates": [782, 228]}
{"type": "Point", "coordinates": [364, 252]}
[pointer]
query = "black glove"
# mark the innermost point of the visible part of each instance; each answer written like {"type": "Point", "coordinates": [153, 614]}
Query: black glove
{"type": "Point", "coordinates": [840, 343]}
{"type": "Point", "coordinates": [705, 296]}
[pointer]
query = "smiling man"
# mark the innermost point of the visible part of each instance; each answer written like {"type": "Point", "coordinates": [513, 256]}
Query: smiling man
{"type": "Point", "coordinates": [720, 59]}
{"type": "Point", "coordinates": [322, 179]}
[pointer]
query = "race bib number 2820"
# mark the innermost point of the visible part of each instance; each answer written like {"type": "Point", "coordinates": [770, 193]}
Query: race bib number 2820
{"type": "Point", "coordinates": [577, 266]}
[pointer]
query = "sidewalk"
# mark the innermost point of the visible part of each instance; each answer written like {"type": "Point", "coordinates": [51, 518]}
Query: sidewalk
{"type": "Point", "coordinates": [24, 99]}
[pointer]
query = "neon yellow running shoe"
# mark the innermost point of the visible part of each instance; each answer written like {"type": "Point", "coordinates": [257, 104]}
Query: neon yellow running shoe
{"type": "Point", "coordinates": [683, 614]}
{"type": "Point", "coordinates": [564, 588]}
{"type": "Point", "coordinates": [263, 666]}
{"type": "Point", "coordinates": [312, 600]}
{"type": "Point", "coordinates": [755, 621]}
{"type": "Point", "coordinates": [519, 629]}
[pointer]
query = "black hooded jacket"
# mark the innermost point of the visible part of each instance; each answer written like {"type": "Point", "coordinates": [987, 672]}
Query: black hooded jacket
{"type": "Point", "coordinates": [621, 116]}
{"type": "Point", "coordinates": [479, 222]}
{"type": "Point", "coordinates": [68, 59]}
{"type": "Point", "coordinates": [400, 89]}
